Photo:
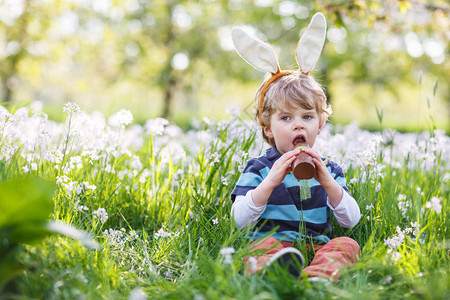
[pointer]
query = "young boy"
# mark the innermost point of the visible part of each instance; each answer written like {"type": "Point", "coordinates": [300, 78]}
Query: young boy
{"type": "Point", "coordinates": [267, 195]}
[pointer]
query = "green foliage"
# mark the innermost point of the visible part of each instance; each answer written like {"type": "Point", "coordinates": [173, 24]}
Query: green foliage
{"type": "Point", "coordinates": [168, 220]}
{"type": "Point", "coordinates": [26, 206]}
{"type": "Point", "coordinates": [125, 52]}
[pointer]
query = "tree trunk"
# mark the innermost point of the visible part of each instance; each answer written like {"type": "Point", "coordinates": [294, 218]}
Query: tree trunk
{"type": "Point", "coordinates": [168, 96]}
{"type": "Point", "coordinates": [13, 60]}
{"type": "Point", "coordinates": [7, 93]}
{"type": "Point", "coordinates": [168, 80]}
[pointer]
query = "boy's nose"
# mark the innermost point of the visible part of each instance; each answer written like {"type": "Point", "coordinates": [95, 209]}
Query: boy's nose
{"type": "Point", "coordinates": [298, 124]}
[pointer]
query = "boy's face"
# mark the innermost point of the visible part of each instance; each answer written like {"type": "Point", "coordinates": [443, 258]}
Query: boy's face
{"type": "Point", "coordinates": [292, 128]}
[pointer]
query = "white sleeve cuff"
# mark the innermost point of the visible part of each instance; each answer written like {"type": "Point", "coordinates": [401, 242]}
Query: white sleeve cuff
{"type": "Point", "coordinates": [347, 213]}
{"type": "Point", "coordinates": [244, 210]}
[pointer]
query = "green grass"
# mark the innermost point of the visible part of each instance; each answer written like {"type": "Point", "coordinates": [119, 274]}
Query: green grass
{"type": "Point", "coordinates": [188, 198]}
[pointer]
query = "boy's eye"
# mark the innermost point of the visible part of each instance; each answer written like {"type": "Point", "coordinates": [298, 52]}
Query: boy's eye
{"type": "Point", "coordinates": [307, 117]}
{"type": "Point", "coordinates": [285, 118]}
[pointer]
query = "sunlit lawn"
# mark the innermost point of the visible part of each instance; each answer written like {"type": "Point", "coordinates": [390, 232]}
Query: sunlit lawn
{"type": "Point", "coordinates": [156, 199]}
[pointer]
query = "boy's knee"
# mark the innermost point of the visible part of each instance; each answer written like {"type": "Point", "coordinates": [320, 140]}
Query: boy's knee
{"type": "Point", "coordinates": [349, 241]}
{"type": "Point", "coordinates": [347, 244]}
{"type": "Point", "coordinates": [263, 243]}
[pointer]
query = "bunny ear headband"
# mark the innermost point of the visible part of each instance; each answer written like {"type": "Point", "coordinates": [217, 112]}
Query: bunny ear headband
{"type": "Point", "coordinates": [262, 57]}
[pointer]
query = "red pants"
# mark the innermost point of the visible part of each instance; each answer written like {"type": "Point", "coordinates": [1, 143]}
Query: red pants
{"type": "Point", "coordinates": [328, 259]}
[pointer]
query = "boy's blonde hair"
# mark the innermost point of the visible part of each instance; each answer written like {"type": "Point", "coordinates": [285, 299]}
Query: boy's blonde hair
{"type": "Point", "coordinates": [292, 91]}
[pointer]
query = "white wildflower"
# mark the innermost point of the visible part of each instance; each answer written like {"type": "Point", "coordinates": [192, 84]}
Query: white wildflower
{"type": "Point", "coordinates": [121, 118]}
{"type": "Point", "coordinates": [156, 126]}
{"type": "Point", "coordinates": [54, 156]}
{"type": "Point", "coordinates": [403, 206]}
{"type": "Point", "coordinates": [76, 162]}
{"type": "Point", "coordinates": [378, 187]}
{"type": "Point", "coordinates": [227, 252]}
{"type": "Point", "coordinates": [434, 203]}
{"type": "Point", "coordinates": [137, 294]}
{"type": "Point", "coordinates": [395, 256]}
{"type": "Point", "coordinates": [7, 152]}
{"type": "Point", "coordinates": [207, 121]}
{"type": "Point", "coordinates": [395, 241]}
{"type": "Point", "coordinates": [401, 197]}
{"type": "Point", "coordinates": [114, 236]}
{"type": "Point", "coordinates": [79, 189]}
{"type": "Point", "coordinates": [368, 156]}
{"type": "Point", "coordinates": [62, 179]}
{"type": "Point", "coordinates": [101, 214]}
{"type": "Point", "coordinates": [36, 107]}
{"type": "Point", "coordinates": [108, 168]}
{"type": "Point", "coordinates": [132, 235]}
{"type": "Point", "coordinates": [71, 108]}
{"type": "Point", "coordinates": [144, 176]}
{"type": "Point", "coordinates": [121, 174]}
{"type": "Point", "coordinates": [419, 191]}
{"type": "Point", "coordinates": [162, 233]}
{"type": "Point", "coordinates": [225, 181]}
{"type": "Point", "coordinates": [214, 158]}
{"type": "Point", "coordinates": [82, 278]}
{"type": "Point", "coordinates": [80, 207]}
{"type": "Point", "coordinates": [71, 186]}
{"type": "Point", "coordinates": [233, 111]}
{"type": "Point", "coordinates": [136, 163]}
{"type": "Point", "coordinates": [89, 186]}
{"type": "Point", "coordinates": [253, 264]}
{"type": "Point", "coordinates": [66, 169]}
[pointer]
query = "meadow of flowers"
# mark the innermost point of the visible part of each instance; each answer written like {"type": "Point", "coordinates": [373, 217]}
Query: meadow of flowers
{"type": "Point", "coordinates": [155, 201]}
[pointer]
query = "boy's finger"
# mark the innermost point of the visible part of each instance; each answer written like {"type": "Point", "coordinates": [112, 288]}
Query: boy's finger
{"type": "Point", "coordinates": [289, 155]}
{"type": "Point", "coordinates": [289, 161]}
{"type": "Point", "coordinates": [318, 162]}
{"type": "Point", "coordinates": [313, 154]}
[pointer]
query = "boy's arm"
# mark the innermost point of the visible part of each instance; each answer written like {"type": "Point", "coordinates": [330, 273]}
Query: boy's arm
{"type": "Point", "coordinates": [334, 190]}
{"type": "Point", "coordinates": [344, 206]}
{"type": "Point", "coordinates": [250, 207]}
{"type": "Point", "coordinates": [244, 210]}
{"type": "Point", "coordinates": [347, 213]}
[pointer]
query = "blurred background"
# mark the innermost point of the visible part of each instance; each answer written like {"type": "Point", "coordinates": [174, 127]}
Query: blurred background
{"type": "Point", "coordinates": [174, 59]}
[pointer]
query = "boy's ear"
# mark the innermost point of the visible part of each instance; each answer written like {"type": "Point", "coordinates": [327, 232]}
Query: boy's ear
{"type": "Point", "coordinates": [320, 128]}
{"type": "Point", "coordinates": [268, 132]}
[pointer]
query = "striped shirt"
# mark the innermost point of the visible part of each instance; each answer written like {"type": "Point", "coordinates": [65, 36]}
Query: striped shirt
{"type": "Point", "coordinates": [292, 217]}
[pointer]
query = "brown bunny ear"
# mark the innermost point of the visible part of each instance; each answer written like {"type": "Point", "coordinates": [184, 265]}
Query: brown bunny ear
{"type": "Point", "coordinates": [311, 43]}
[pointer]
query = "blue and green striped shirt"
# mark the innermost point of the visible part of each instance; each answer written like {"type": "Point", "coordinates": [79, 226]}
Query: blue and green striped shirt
{"type": "Point", "coordinates": [292, 217]}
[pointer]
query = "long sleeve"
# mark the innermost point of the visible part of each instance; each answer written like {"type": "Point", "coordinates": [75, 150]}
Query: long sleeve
{"type": "Point", "coordinates": [244, 210]}
{"type": "Point", "coordinates": [347, 213]}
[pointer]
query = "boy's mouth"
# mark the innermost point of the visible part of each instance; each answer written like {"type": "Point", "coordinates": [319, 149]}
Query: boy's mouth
{"type": "Point", "coordinates": [299, 141]}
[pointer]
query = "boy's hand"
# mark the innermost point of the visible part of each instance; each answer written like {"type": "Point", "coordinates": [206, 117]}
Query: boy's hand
{"type": "Point", "coordinates": [277, 173]}
{"type": "Point", "coordinates": [322, 175]}
{"type": "Point", "coordinates": [281, 168]}
{"type": "Point", "coordinates": [333, 189]}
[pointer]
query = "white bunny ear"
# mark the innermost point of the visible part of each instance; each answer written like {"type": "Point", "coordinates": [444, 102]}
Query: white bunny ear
{"type": "Point", "coordinates": [311, 43]}
{"type": "Point", "coordinates": [256, 53]}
